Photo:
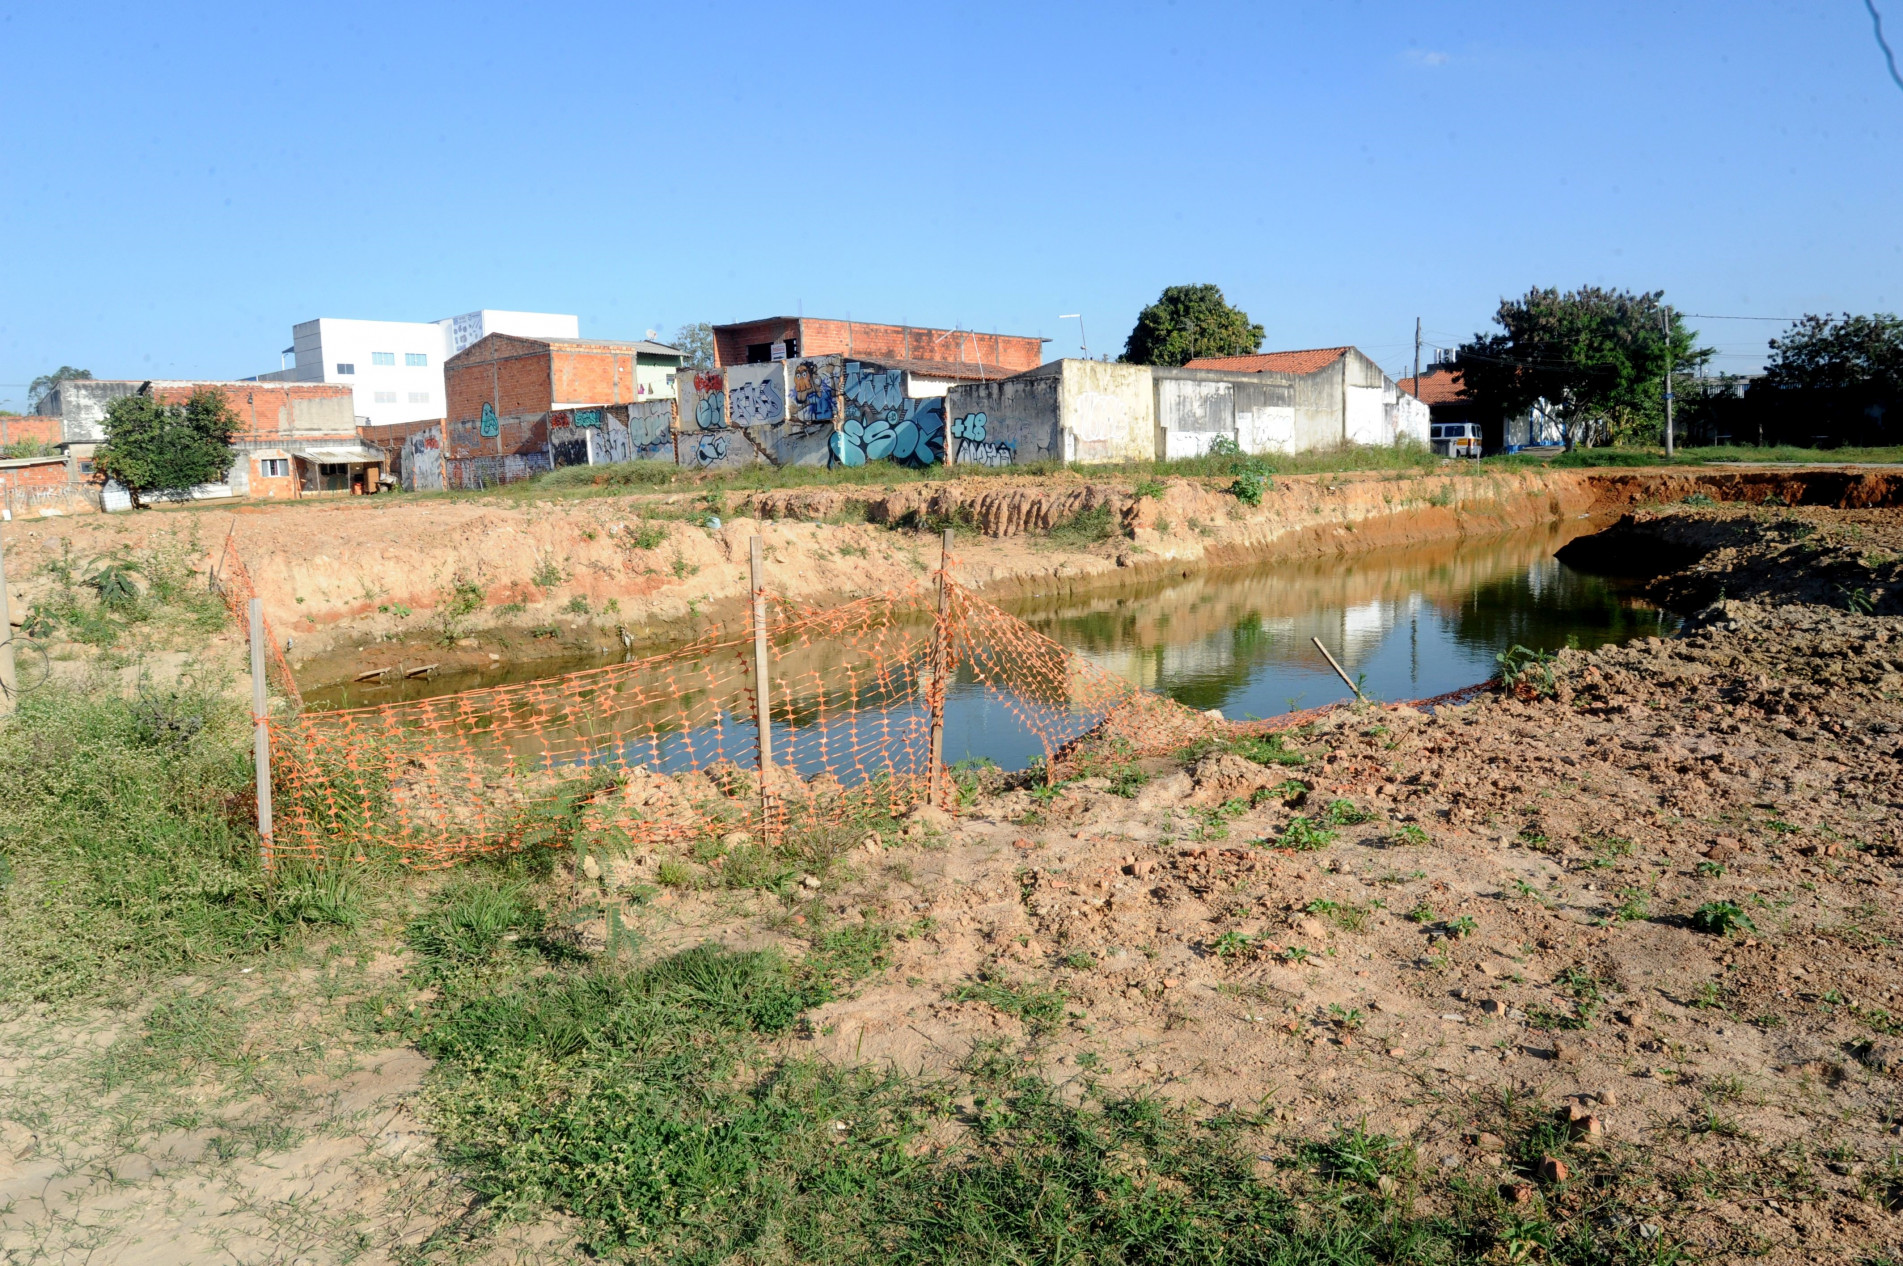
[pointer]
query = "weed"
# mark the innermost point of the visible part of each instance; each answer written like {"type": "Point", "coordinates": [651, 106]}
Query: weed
{"type": "Point", "coordinates": [1460, 926]}
{"type": "Point", "coordinates": [1086, 527]}
{"type": "Point", "coordinates": [1078, 960]}
{"type": "Point", "coordinates": [1249, 486]}
{"type": "Point", "coordinates": [1235, 945]}
{"type": "Point", "coordinates": [548, 573]}
{"type": "Point", "coordinates": [1422, 913]}
{"type": "Point", "coordinates": [1721, 918]}
{"type": "Point", "coordinates": [646, 534]}
{"type": "Point", "coordinates": [1303, 835]}
{"type": "Point", "coordinates": [1527, 671]}
{"type": "Point", "coordinates": [1711, 870]}
{"type": "Point", "coordinates": [1149, 488]}
{"type": "Point", "coordinates": [1039, 1009]}
{"type": "Point", "coordinates": [1857, 601]}
{"type": "Point", "coordinates": [1345, 813]}
{"type": "Point", "coordinates": [1408, 833]}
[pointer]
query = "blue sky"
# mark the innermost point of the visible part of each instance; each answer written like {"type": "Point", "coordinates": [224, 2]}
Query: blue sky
{"type": "Point", "coordinates": [189, 181]}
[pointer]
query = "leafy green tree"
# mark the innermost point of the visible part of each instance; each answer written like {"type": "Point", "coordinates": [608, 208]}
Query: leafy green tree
{"type": "Point", "coordinates": [696, 341]}
{"type": "Point", "coordinates": [1190, 321]}
{"type": "Point", "coordinates": [1841, 376]}
{"type": "Point", "coordinates": [1595, 358]}
{"type": "Point", "coordinates": [41, 387]}
{"type": "Point", "coordinates": [166, 450]}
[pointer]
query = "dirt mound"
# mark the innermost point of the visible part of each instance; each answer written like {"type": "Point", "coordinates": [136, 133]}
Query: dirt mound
{"type": "Point", "coordinates": [1848, 559]}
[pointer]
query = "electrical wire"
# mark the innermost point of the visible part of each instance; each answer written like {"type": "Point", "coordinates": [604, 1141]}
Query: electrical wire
{"type": "Point", "coordinates": [1889, 58]}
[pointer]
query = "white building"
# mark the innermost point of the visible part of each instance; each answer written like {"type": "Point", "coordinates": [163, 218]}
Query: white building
{"type": "Point", "coordinates": [395, 368]}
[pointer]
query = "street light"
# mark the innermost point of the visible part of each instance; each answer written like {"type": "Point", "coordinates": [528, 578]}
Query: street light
{"type": "Point", "coordinates": [1082, 340]}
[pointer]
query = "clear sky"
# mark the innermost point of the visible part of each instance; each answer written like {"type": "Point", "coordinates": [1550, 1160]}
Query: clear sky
{"type": "Point", "coordinates": [187, 181]}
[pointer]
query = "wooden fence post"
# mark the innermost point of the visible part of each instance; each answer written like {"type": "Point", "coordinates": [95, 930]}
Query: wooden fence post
{"type": "Point", "coordinates": [941, 673]}
{"type": "Point", "coordinates": [261, 732]}
{"type": "Point", "coordinates": [763, 707]}
{"type": "Point", "coordinates": [9, 675]}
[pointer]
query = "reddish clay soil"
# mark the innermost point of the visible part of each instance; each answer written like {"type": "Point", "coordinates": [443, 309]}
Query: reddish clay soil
{"type": "Point", "coordinates": [1501, 924]}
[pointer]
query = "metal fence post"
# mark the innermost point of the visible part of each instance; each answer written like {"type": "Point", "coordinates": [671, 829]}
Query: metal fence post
{"type": "Point", "coordinates": [261, 737]}
{"type": "Point", "coordinates": [762, 705]}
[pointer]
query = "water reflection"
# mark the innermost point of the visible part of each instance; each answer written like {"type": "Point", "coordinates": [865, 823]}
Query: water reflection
{"type": "Point", "coordinates": [1410, 623]}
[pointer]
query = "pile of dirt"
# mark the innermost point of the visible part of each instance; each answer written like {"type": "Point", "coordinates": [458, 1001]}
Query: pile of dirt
{"type": "Point", "coordinates": [1654, 887]}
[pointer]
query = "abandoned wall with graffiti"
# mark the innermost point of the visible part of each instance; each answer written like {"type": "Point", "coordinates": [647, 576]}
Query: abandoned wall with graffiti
{"type": "Point", "coordinates": [813, 395]}
{"type": "Point", "coordinates": [1193, 411]}
{"type": "Point", "coordinates": [878, 421]}
{"type": "Point", "coordinates": [1006, 423]}
{"type": "Point", "coordinates": [490, 450]}
{"type": "Point", "coordinates": [756, 394]}
{"type": "Point", "coordinates": [703, 402]}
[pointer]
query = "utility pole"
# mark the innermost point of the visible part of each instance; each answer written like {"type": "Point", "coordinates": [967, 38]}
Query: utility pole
{"type": "Point", "coordinates": [1666, 316]}
{"type": "Point", "coordinates": [1417, 358]}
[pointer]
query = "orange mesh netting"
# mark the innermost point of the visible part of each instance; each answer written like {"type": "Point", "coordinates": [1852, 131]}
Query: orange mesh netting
{"type": "Point", "coordinates": [666, 747]}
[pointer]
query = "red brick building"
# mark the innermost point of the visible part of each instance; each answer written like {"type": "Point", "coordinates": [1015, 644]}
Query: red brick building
{"type": "Point", "coordinates": [29, 430]}
{"type": "Point", "coordinates": [958, 354]}
{"type": "Point", "coordinates": [517, 375]}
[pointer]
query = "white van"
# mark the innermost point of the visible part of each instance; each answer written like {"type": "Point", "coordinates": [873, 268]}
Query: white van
{"type": "Point", "coordinates": [1455, 439]}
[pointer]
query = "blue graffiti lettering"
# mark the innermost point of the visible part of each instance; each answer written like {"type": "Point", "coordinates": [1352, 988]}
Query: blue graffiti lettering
{"type": "Point", "coordinates": [587, 417]}
{"type": "Point", "coordinates": [975, 449]}
{"type": "Point", "coordinates": [490, 426]}
{"type": "Point", "coordinates": [756, 403]}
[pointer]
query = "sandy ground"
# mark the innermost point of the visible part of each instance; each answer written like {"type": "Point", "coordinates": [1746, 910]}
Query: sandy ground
{"type": "Point", "coordinates": [1514, 914]}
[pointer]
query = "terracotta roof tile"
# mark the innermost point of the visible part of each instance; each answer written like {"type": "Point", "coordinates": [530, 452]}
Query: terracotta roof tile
{"type": "Point", "coordinates": [1300, 362]}
{"type": "Point", "coordinates": [1439, 387]}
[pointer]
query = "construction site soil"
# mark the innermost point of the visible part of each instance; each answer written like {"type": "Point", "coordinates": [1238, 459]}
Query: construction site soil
{"type": "Point", "coordinates": [1651, 889]}
{"type": "Point", "coordinates": [1655, 890]}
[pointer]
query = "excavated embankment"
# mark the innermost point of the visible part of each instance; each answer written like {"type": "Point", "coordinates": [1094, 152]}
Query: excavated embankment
{"type": "Point", "coordinates": [470, 582]}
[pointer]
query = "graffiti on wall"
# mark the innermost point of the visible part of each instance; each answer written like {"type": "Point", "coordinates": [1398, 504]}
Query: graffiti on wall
{"type": "Point", "coordinates": [756, 395]}
{"type": "Point", "coordinates": [491, 425]}
{"type": "Point", "coordinates": [422, 462]}
{"type": "Point", "coordinates": [566, 445]}
{"type": "Point", "coordinates": [710, 403]}
{"type": "Point", "coordinates": [651, 431]}
{"type": "Point", "coordinates": [975, 449]}
{"type": "Point", "coordinates": [878, 422]}
{"type": "Point", "coordinates": [587, 417]}
{"type": "Point", "coordinates": [815, 390]}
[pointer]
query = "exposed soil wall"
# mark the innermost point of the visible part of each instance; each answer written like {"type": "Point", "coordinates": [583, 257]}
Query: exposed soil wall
{"type": "Point", "coordinates": [351, 584]}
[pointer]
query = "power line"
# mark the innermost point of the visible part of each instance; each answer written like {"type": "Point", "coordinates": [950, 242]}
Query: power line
{"type": "Point", "coordinates": [1889, 58]}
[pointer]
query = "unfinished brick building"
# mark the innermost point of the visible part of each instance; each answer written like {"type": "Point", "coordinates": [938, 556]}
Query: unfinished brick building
{"type": "Point", "coordinates": [956, 355]}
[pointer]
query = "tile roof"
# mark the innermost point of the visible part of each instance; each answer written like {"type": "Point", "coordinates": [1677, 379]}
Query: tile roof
{"type": "Point", "coordinates": [1441, 386]}
{"type": "Point", "coordinates": [1301, 362]}
{"type": "Point", "coordinates": [960, 371]}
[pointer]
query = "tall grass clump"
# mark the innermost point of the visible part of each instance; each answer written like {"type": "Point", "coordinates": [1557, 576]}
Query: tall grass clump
{"type": "Point", "coordinates": [127, 843]}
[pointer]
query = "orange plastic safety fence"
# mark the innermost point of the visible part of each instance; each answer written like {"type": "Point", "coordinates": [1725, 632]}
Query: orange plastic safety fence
{"type": "Point", "coordinates": [666, 748]}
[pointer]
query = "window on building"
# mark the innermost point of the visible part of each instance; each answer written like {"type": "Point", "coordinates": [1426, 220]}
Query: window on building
{"type": "Point", "coordinates": [386, 397]}
{"type": "Point", "coordinates": [670, 382]}
{"type": "Point", "coordinates": [419, 397]}
{"type": "Point", "coordinates": [345, 367]}
{"type": "Point", "coordinates": [415, 358]}
{"type": "Point", "coordinates": [383, 358]}
{"type": "Point", "coordinates": [274, 467]}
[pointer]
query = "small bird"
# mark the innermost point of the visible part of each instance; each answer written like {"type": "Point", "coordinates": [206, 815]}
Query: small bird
{"type": "Point", "coordinates": [627, 638]}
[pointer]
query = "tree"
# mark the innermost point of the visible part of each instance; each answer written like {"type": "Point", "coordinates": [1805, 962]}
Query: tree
{"type": "Point", "coordinates": [1190, 321]}
{"type": "Point", "coordinates": [41, 387]}
{"type": "Point", "coordinates": [166, 450]}
{"type": "Point", "coordinates": [1840, 374]}
{"type": "Point", "coordinates": [696, 342]}
{"type": "Point", "coordinates": [1594, 358]}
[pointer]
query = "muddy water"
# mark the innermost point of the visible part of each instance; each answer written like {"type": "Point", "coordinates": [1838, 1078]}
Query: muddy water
{"type": "Point", "coordinates": [1407, 623]}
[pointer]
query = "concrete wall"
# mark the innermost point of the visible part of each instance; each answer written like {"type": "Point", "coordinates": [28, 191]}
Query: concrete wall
{"type": "Point", "coordinates": [1108, 412]}
{"type": "Point", "coordinates": [813, 384]}
{"type": "Point", "coordinates": [880, 421]}
{"type": "Point", "coordinates": [302, 410]}
{"type": "Point", "coordinates": [1193, 410]}
{"type": "Point", "coordinates": [1007, 423]}
{"type": "Point", "coordinates": [756, 394]}
{"type": "Point", "coordinates": [871, 340]}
